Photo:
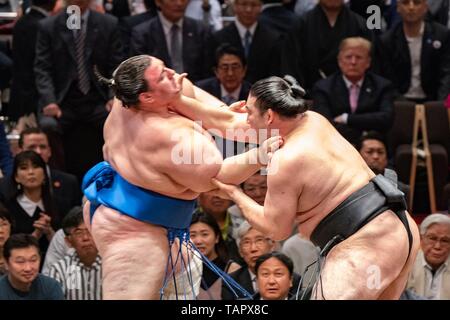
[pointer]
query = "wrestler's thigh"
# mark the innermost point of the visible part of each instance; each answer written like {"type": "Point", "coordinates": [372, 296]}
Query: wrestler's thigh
{"type": "Point", "coordinates": [365, 264]}
{"type": "Point", "coordinates": [134, 255]}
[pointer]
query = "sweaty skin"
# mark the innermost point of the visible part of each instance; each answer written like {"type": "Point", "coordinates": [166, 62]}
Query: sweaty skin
{"type": "Point", "coordinates": [138, 144]}
{"type": "Point", "coordinates": [314, 171]}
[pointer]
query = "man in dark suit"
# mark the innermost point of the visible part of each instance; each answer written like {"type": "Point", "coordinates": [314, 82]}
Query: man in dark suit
{"type": "Point", "coordinates": [353, 99]}
{"type": "Point", "coordinates": [126, 24]}
{"type": "Point", "coordinates": [24, 95]}
{"type": "Point", "coordinates": [417, 54]}
{"type": "Point", "coordinates": [229, 86]}
{"type": "Point", "coordinates": [180, 42]}
{"type": "Point", "coordinates": [311, 46]}
{"type": "Point", "coordinates": [70, 94]}
{"type": "Point", "coordinates": [259, 43]}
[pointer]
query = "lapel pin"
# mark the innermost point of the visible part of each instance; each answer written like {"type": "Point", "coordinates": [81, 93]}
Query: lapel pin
{"type": "Point", "coordinates": [437, 44]}
{"type": "Point", "coordinates": [57, 184]}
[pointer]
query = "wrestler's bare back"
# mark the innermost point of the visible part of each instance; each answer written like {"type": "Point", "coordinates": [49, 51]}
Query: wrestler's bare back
{"type": "Point", "coordinates": [137, 145]}
{"type": "Point", "coordinates": [324, 180]}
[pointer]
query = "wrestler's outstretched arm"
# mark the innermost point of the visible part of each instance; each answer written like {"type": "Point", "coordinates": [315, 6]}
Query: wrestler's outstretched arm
{"type": "Point", "coordinates": [276, 217]}
{"type": "Point", "coordinates": [214, 117]}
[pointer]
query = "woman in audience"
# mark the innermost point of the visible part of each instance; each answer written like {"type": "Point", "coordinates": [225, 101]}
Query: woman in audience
{"type": "Point", "coordinates": [31, 205]}
{"type": "Point", "coordinates": [206, 236]}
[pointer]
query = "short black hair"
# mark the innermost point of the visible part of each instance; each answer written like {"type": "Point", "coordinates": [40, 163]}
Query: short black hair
{"type": "Point", "coordinates": [19, 241]}
{"type": "Point", "coordinates": [72, 219]}
{"type": "Point", "coordinates": [370, 135]}
{"type": "Point", "coordinates": [227, 48]}
{"type": "Point", "coordinates": [282, 95]}
{"type": "Point", "coordinates": [28, 131]}
{"type": "Point", "coordinates": [278, 255]}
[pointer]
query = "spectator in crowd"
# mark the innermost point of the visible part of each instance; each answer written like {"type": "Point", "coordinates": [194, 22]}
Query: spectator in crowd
{"type": "Point", "coordinates": [430, 276]}
{"type": "Point", "coordinates": [218, 209]}
{"type": "Point", "coordinates": [31, 204]}
{"type": "Point", "coordinates": [70, 94]}
{"type": "Point", "coordinates": [304, 254]}
{"type": "Point", "coordinates": [252, 244]}
{"type": "Point", "coordinates": [23, 281]}
{"type": "Point", "coordinates": [372, 148]}
{"type": "Point", "coordinates": [229, 86]}
{"type": "Point", "coordinates": [354, 99]}
{"type": "Point", "coordinates": [6, 160]}
{"type": "Point", "coordinates": [5, 232]}
{"type": "Point", "coordinates": [63, 186]}
{"type": "Point", "coordinates": [180, 42]}
{"type": "Point", "coordinates": [417, 54]}
{"type": "Point", "coordinates": [256, 188]}
{"type": "Point", "coordinates": [127, 24]}
{"type": "Point", "coordinates": [303, 6]}
{"type": "Point", "coordinates": [79, 273]}
{"type": "Point", "coordinates": [206, 235]}
{"type": "Point", "coordinates": [274, 276]}
{"type": "Point", "coordinates": [208, 11]}
{"type": "Point", "coordinates": [258, 43]}
{"type": "Point", "coordinates": [311, 46]}
{"type": "Point", "coordinates": [24, 95]}
{"type": "Point", "coordinates": [439, 11]}
{"type": "Point", "coordinates": [276, 16]}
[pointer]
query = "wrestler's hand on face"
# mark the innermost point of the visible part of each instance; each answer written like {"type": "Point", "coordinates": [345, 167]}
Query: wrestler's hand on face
{"type": "Point", "coordinates": [224, 191]}
{"type": "Point", "coordinates": [267, 149]}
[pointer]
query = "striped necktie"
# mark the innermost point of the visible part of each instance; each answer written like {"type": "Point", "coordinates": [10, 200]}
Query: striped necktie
{"type": "Point", "coordinates": [80, 52]}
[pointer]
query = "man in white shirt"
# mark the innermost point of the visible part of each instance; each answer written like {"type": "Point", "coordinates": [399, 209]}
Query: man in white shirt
{"type": "Point", "coordinates": [431, 274]}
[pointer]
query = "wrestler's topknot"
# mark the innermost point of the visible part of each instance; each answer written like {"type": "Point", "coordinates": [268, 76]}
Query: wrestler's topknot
{"type": "Point", "coordinates": [282, 95]}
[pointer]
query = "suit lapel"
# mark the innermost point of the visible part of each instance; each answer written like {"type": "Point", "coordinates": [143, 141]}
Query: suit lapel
{"type": "Point", "coordinates": [160, 41]}
{"type": "Point", "coordinates": [91, 33]}
{"type": "Point", "coordinates": [67, 35]}
{"type": "Point", "coordinates": [365, 94]}
{"type": "Point", "coordinates": [187, 41]}
{"type": "Point", "coordinates": [342, 95]}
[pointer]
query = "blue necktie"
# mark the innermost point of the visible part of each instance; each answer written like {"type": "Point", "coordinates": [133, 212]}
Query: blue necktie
{"type": "Point", "coordinates": [247, 43]}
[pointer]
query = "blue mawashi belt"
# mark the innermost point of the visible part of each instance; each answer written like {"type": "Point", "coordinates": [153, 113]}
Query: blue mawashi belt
{"type": "Point", "coordinates": [102, 185]}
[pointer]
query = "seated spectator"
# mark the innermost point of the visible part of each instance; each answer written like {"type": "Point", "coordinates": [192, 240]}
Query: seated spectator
{"type": "Point", "coordinates": [218, 209]}
{"type": "Point", "coordinates": [229, 86]}
{"type": "Point", "coordinates": [31, 204]}
{"type": "Point", "coordinates": [252, 244]}
{"type": "Point", "coordinates": [417, 53]}
{"type": "Point", "coordinates": [256, 188]}
{"type": "Point", "coordinates": [5, 232]}
{"type": "Point", "coordinates": [354, 99]}
{"type": "Point", "coordinates": [57, 250]}
{"type": "Point", "coordinates": [206, 235]}
{"type": "Point", "coordinates": [372, 148]}
{"type": "Point", "coordinates": [274, 276]}
{"type": "Point", "coordinates": [257, 42]}
{"type": "Point", "coordinates": [79, 273]}
{"type": "Point", "coordinates": [23, 282]}
{"type": "Point", "coordinates": [311, 46]}
{"type": "Point", "coordinates": [64, 186]}
{"type": "Point", "coordinates": [430, 276]}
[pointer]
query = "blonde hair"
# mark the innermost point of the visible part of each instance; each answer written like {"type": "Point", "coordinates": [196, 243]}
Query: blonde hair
{"type": "Point", "coordinates": [355, 42]}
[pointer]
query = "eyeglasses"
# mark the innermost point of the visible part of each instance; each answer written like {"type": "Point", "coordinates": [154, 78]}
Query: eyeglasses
{"type": "Point", "coordinates": [415, 2]}
{"type": "Point", "coordinates": [79, 233]}
{"type": "Point", "coordinates": [445, 242]}
{"type": "Point", "coordinates": [259, 242]}
{"type": "Point", "coordinates": [233, 67]}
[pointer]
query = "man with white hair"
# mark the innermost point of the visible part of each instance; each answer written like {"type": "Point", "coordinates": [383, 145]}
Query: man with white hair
{"type": "Point", "coordinates": [430, 276]}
